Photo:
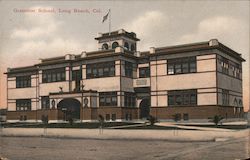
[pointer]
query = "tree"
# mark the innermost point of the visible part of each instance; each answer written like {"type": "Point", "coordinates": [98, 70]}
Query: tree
{"type": "Point", "coordinates": [176, 117]}
{"type": "Point", "coordinates": [101, 121]}
{"type": "Point", "coordinates": [217, 119]}
{"type": "Point", "coordinates": [71, 120]}
{"type": "Point", "coordinates": [152, 120]}
{"type": "Point", "coordinates": [45, 121]}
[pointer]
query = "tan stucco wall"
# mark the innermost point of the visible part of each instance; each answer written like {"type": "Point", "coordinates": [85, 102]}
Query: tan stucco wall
{"type": "Point", "coordinates": [103, 84]}
{"type": "Point", "coordinates": [46, 88]}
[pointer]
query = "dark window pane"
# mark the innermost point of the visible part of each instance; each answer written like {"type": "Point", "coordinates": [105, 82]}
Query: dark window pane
{"type": "Point", "coordinates": [182, 97]}
{"type": "Point", "coordinates": [107, 98]}
{"type": "Point", "coordinates": [181, 65]}
{"type": "Point", "coordinates": [106, 69]}
{"type": "Point", "coordinates": [144, 72]}
{"type": "Point", "coordinates": [177, 68]}
{"type": "Point", "coordinates": [23, 104]}
{"type": "Point", "coordinates": [193, 67]}
{"type": "Point", "coordinates": [185, 68]}
{"type": "Point", "coordinates": [114, 45]}
{"type": "Point", "coordinates": [128, 69]}
{"type": "Point", "coordinates": [23, 81]}
{"type": "Point", "coordinates": [53, 75]}
{"type": "Point", "coordinates": [193, 98]}
{"type": "Point", "coordinates": [178, 99]}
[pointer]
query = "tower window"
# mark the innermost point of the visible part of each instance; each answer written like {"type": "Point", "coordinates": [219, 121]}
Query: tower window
{"type": "Point", "coordinates": [126, 45]}
{"type": "Point", "coordinates": [114, 45]}
{"type": "Point", "coordinates": [132, 47]}
{"type": "Point", "coordinates": [105, 46]}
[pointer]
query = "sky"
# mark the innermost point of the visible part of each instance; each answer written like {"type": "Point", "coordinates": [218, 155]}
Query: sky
{"type": "Point", "coordinates": [27, 36]}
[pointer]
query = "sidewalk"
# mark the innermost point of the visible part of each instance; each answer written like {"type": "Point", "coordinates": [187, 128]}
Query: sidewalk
{"type": "Point", "coordinates": [168, 124]}
{"type": "Point", "coordinates": [122, 134]}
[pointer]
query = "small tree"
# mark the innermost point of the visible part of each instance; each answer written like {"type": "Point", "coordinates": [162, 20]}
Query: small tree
{"type": "Point", "coordinates": [45, 120]}
{"type": "Point", "coordinates": [217, 119]}
{"type": "Point", "coordinates": [152, 120]}
{"type": "Point", "coordinates": [176, 117]}
{"type": "Point", "coordinates": [101, 121]}
{"type": "Point", "coordinates": [71, 121]}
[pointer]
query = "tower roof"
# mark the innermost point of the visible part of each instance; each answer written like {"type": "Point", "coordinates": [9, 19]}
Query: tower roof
{"type": "Point", "coordinates": [117, 33]}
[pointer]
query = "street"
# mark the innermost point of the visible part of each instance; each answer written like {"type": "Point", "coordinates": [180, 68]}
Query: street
{"type": "Point", "coordinates": [38, 148]}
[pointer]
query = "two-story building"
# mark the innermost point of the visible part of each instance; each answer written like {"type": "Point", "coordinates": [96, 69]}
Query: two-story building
{"type": "Point", "coordinates": [191, 81]}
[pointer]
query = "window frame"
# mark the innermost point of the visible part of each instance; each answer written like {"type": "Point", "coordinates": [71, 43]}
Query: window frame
{"type": "Point", "coordinates": [54, 75]}
{"type": "Point", "coordinates": [129, 99]}
{"type": "Point", "coordinates": [23, 104]}
{"type": "Point", "coordinates": [225, 97]}
{"type": "Point", "coordinates": [146, 73]}
{"type": "Point", "coordinates": [129, 69]}
{"type": "Point", "coordinates": [23, 81]}
{"type": "Point", "coordinates": [108, 70]}
{"type": "Point", "coordinates": [176, 66]}
{"type": "Point", "coordinates": [107, 99]}
{"type": "Point", "coordinates": [182, 97]}
{"type": "Point", "coordinates": [115, 44]}
{"type": "Point", "coordinates": [45, 102]}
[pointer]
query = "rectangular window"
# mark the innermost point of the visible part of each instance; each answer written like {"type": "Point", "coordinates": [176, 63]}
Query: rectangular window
{"type": "Point", "coordinates": [128, 69]}
{"type": "Point", "coordinates": [129, 99]}
{"type": "Point", "coordinates": [181, 65]}
{"type": "Point", "coordinates": [224, 65]}
{"type": "Point", "coordinates": [98, 70]}
{"type": "Point", "coordinates": [107, 117]}
{"type": "Point", "coordinates": [45, 104]}
{"type": "Point", "coordinates": [23, 81]}
{"type": "Point", "coordinates": [53, 75]}
{"type": "Point", "coordinates": [182, 97]}
{"type": "Point", "coordinates": [113, 117]}
{"type": "Point", "coordinates": [108, 99]}
{"type": "Point", "coordinates": [76, 75]}
{"type": "Point", "coordinates": [144, 72]}
{"type": "Point", "coordinates": [23, 104]}
{"type": "Point", "coordinates": [236, 69]}
{"type": "Point", "coordinates": [170, 68]}
{"type": "Point", "coordinates": [185, 117]}
{"type": "Point", "coordinates": [225, 97]}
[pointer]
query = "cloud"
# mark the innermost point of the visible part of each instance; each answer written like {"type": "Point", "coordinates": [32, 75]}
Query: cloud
{"type": "Point", "coordinates": [33, 32]}
{"type": "Point", "coordinates": [220, 27]}
{"type": "Point", "coordinates": [42, 35]}
{"type": "Point", "coordinates": [37, 25]}
{"type": "Point", "coordinates": [148, 24]}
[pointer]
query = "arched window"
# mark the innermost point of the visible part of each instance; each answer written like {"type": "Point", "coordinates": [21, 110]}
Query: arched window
{"type": "Point", "coordinates": [132, 47]}
{"type": "Point", "coordinates": [105, 46]}
{"type": "Point", "coordinates": [114, 45]}
{"type": "Point", "coordinates": [126, 46]}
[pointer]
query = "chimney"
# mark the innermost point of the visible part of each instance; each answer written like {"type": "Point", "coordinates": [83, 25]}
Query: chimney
{"type": "Point", "coordinates": [152, 50]}
{"type": "Point", "coordinates": [83, 54]}
{"type": "Point", "coordinates": [119, 50]}
{"type": "Point", "coordinates": [213, 42]}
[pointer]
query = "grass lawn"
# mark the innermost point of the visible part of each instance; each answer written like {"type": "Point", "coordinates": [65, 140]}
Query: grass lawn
{"type": "Point", "coordinates": [219, 126]}
{"type": "Point", "coordinates": [88, 125]}
{"type": "Point", "coordinates": [154, 127]}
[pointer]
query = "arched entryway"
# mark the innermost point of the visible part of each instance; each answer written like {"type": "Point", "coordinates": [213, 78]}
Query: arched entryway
{"type": "Point", "coordinates": [144, 108]}
{"type": "Point", "coordinates": [70, 108]}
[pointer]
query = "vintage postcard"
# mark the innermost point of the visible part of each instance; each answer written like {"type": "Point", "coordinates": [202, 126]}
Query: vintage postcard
{"type": "Point", "coordinates": [119, 80]}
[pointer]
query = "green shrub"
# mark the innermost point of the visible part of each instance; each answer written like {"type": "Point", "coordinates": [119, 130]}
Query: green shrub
{"type": "Point", "coordinates": [217, 119]}
{"type": "Point", "coordinates": [152, 120]}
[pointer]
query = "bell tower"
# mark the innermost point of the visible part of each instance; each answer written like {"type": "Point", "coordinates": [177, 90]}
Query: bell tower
{"type": "Point", "coordinates": [121, 38]}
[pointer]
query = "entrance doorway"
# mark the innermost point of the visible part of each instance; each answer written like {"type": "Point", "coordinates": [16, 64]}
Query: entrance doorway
{"type": "Point", "coordinates": [144, 108]}
{"type": "Point", "coordinates": [70, 109]}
